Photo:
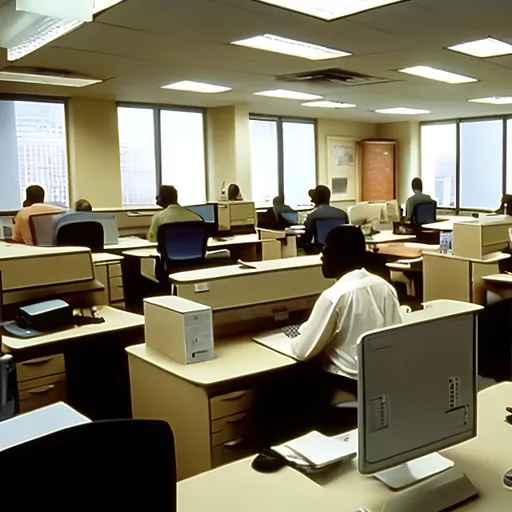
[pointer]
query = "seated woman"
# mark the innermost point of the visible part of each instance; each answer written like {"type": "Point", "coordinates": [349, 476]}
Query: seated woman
{"type": "Point", "coordinates": [234, 193]}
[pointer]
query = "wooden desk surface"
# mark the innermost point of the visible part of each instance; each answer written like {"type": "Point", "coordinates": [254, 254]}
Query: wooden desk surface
{"type": "Point", "coordinates": [15, 251]}
{"type": "Point", "coordinates": [209, 274]}
{"type": "Point", "coordinates": [237, 487]}
{"type": "Point", "coordinates": [115, 320]}
{"type": "Point", "coordinates": [105, 258]}
{"type": "Point", "coordinates": [488, 260]}
{"type": "Point", "coordinates": [503, 279]}
{"type": "Point", "coordinates": [234, 358]}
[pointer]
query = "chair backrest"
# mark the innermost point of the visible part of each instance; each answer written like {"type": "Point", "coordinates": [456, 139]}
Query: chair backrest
{"type": "Point", "coordinates": [324, 226]}
{"type": "Point", "coordinates": [424, 213]}
{"type": "Point", "coordinates": [105, 465]}
{"type": "Point", "coordinates": [81, 234]}
{"type": "Point", "coordinates": [182, 242]}
{"type": "Point", "coordinates": [291, 217]}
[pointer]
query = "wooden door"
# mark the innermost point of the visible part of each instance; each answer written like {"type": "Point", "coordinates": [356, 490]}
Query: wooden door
{"type": "Point", "coordinates": [378, 170]}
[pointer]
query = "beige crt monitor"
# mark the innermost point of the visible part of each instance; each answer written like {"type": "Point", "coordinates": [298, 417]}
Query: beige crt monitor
{"type": "Point", "coordinates": [237, 216]}
{"type": "Point", "coordinates": [418, 395]}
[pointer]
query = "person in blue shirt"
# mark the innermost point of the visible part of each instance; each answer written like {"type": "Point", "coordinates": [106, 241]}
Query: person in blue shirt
{"type": "Point", "coordinates": [321, 196]}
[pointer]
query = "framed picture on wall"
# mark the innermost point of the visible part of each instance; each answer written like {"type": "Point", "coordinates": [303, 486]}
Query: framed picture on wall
{"type": "Point", "coordinates": [342, 161]}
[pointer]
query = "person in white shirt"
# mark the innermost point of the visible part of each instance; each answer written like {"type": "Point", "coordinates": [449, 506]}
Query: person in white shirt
{"type": "Point", "coordinates": [357, 303]}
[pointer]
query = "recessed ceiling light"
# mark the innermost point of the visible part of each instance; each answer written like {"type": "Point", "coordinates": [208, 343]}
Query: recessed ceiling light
{"type": "Point", "coordinates": [438, 74]}
{"type": "Point", "coordinates": [494, 100]}
{"type": "Point", "coordinates": [277, 44]}
{"type": "Point", "coordinates": [329, 10]}
{"type": "Point", "coordinates": [289, 95]}
{"type": "Point", "coordinates": [62, 81]}
{"type": "Point", "coordinates": [328, 104]}
{"type": "Point", "coordinates": [191, 86]}
{"type": "Point", "coordinates": [483, 48]}
{"type": "Point", "coordinates": [403, 111]}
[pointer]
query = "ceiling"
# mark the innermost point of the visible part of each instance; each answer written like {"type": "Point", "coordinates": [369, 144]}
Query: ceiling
{"type": "Point", "coordinates": [140, 45]}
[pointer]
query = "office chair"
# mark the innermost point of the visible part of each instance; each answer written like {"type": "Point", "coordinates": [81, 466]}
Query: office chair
{"type": "Point", "coordinates": [81, 234]}
{"type": "Point", "coordinates": [424, 213]}
{"type": "Point", "coordinates": [8, 387]}
{"type": "Point", "coordinates": [324, 226]}
{"type": "Point", "coordinates": [183, 246]}
{"type": "Point", "coordinates": [105, 465]}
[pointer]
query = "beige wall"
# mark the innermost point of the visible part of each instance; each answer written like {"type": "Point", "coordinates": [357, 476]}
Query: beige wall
{"type": "Point", "coordinates": [351, 130]}
{"type": "Point", "coordinates": [229, 149]}
{"type": "Point", "coordinates": [408, 159]}
{"type": "Point", "coordinates": [94, 162]}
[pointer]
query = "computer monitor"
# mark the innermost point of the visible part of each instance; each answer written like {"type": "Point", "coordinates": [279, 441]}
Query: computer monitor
{"type": "Point", "coordinates": [366, 213]}
{"type": "Point", "coordinates": [209, 214]}
{"type": "Point", "coordinates": [417, 394]}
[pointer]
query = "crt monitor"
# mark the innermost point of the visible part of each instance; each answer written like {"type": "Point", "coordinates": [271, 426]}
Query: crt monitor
{"type": "Point", "coordinates": [417, 395]}
{"type": "Point", "coordinates": [208, 212]}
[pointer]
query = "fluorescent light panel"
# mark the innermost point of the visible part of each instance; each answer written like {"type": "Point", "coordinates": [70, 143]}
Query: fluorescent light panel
{"type": "Point", "coordinates": [29, 78]}
{"type": "Point", "coordinates": [483, 48]}
{"type": "Point", "coordinates": [288, 95]}
{"type": "Point", "coordinates": [438, 74]}
{"type": "Point", "coordinates": [403, 111]}
{"type": "Point", "coordinates": [328, 104]}
{"type": "Point", "coordinates": [191, 86]}
{"type": "Point", "coordinates": [494, 100]}
{"type": "Point", "coordinates": [329, 10]}
{"type": "Point", "coordinates": [277, 44]}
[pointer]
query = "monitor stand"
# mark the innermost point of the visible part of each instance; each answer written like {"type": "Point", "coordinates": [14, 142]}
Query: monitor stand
{"type": "Point", "coordinates": [443, 490]}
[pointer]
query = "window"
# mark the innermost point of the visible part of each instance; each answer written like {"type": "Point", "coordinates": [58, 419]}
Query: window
{"type": "Point", "coordinates": [481, 163]}
{"type": "Point", "coordinates": [283, 160]}
{"type": "Point", "coordinates": [264, 161]}
{"type": "Point", "coordinates": [33, 150]}
{"type": "Point", "coordinates": [439, 162]}
{"type": "Point", "coordinates": [470, 154]}
{"type": "Point", "coordinates": [183, 160]}
{"type": "Point", "coordinates": [161, 146]}
{"type": "Point", "coordinates": [138, 163]}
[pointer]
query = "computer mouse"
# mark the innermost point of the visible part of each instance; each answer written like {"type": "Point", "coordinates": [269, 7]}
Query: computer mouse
{"type": "Point", "coordinates": [268, 461]}
{"type": "Point", "coordinates": [507, 480]}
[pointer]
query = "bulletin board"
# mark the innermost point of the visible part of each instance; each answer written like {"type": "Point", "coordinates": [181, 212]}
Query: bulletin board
{"type": "Point", "coordinates": [342, 164]}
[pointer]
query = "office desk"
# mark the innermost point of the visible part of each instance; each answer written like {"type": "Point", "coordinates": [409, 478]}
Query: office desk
{"type": "Point", "coordinates": [95, 363]}
{"type": "Point", "coordinates": [399, 250]}
{"type": "Point", "coordinates": [446, 222]}
{"type": "Point", "coordinates": [454, 277]}
{"type": "Point", "coordinates": [128, 243]}
{"type": "Point", "coordinates": [237, 487]}
{"type": "Point", "coordinates": [386, 237]}
{"type": "Point", "coordinates": [500, 284]}
{"type": "Point", "coordinates": [42, 422]}
{"type": "Point", "coordinates": [209, 405]}
{"type": "Point", "coordinates": [109, 273]}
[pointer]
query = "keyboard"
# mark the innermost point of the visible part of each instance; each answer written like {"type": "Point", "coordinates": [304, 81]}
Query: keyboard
{"type": "Point", "coordinates": [291, 331]}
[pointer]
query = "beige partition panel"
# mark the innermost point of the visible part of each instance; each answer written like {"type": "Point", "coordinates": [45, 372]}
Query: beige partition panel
{"type": "Point", "coordinates": [446, 278]}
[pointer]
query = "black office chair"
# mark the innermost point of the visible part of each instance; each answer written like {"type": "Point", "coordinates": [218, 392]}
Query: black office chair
{"type": "Point", "coordinates": [183, 246]}
{"type": "Point", "coordinates": [106, 465]}
{"type": "Point", "coordinates": [424, 213]}
{"type": "Point", "coordinates": [82, 234]}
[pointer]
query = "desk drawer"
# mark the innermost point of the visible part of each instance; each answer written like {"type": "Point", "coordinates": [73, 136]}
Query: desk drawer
{"type": "Point", "coordinates": [231, 403]}
{"type": "Point", "coordinates": [116, 289]}
{"type": "Point", "coordinates": [229, 452]}
{"type": "Point", "coordinates": [230, 428]}
{"type": "Point", "coordinates": [42, 392]}
{"type": "Point", "coordinates": [41, 367]}
{"type": "Point", "coordinates": [115, 270]}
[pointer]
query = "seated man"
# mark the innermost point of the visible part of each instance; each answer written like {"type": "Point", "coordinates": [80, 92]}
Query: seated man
{"type": "Point", "coordinates": [321, 197]}
{"type": "Point", "coordinates": [172, 212]}
{"type": "Point", "coordinates": [33, 205]}
{"type": "Point", "coordinates": [357, 303]}
{"type": "Point", "coordinates": [418, 198]}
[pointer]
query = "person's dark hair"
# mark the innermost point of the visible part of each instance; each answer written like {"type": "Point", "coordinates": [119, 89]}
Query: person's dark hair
{"type": "Point", "coordinates": [344, 251]}
{"type": "Point", "coordinates": [82, 205]}
{"type": "Point", "coordinates": [233, 192]}
{"type": "Point", "coordinates": [278, 201]}
{"type": "Point", "coordinates": [322, 195]}
{"type": "Point", "coordinates": [35, 194]}
{"type": "Point", "coordinates": [417, 185]}
{"type": "Point", "coordinates": [167, 195]}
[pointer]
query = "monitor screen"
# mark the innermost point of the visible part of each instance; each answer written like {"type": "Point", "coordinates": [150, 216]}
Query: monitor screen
{"type": "Point", "coordinates": [206, 211]}
{"type": "Point", "coordinates": [417, 390]}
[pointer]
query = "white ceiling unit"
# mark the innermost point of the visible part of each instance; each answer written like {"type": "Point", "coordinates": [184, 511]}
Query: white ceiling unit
{"type": "Point", "coordinates": [27, 25]}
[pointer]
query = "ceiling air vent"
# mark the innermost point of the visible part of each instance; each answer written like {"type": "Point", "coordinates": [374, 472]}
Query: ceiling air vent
{"type": "Point", "coordinates": [336, 76]}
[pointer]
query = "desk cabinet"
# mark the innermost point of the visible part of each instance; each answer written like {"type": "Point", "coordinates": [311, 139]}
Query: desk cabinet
{"type": "Point", "coordinates": [41, 382]}
{"type": "Point", "coordinates": [111, 277]}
